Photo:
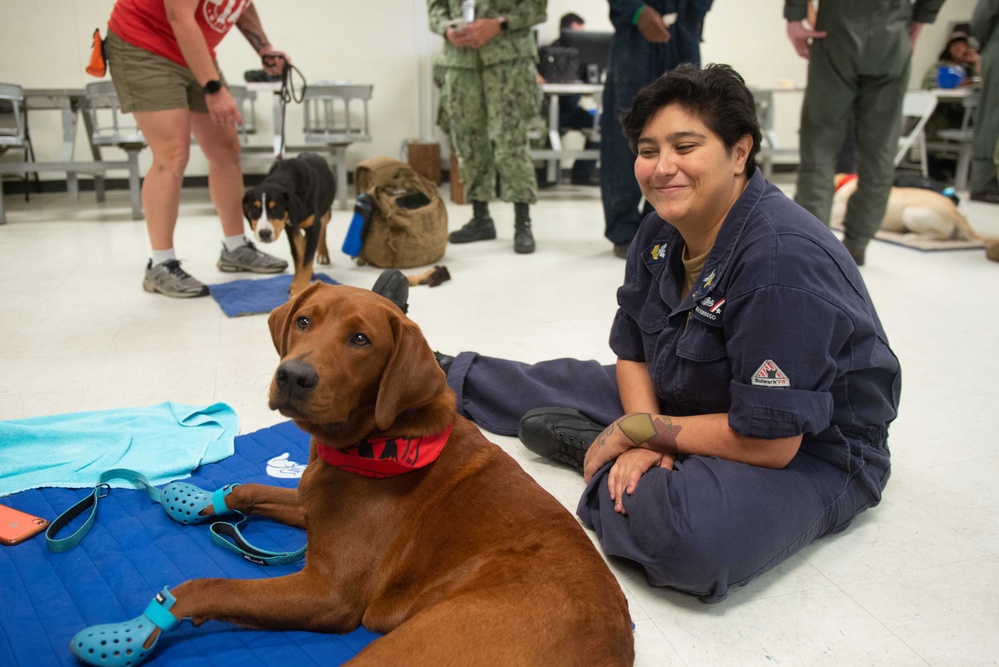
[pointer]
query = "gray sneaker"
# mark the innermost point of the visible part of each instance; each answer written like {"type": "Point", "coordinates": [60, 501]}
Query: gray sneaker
{"type": "Point", "coordinates": [248, 258]}
{"type": "Point", "coordinates": [169, 279]}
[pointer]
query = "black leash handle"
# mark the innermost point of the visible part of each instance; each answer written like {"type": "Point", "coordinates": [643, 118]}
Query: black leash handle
{"type": "Point", "coordinates": [287, 94]}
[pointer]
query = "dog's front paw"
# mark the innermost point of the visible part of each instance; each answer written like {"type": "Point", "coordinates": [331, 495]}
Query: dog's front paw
{"type": "Point", "coordinates": [322, 258]}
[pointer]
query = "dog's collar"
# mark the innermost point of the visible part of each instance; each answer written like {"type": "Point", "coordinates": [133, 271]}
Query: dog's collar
{"type": "Point", "coordinates": [386, 457]}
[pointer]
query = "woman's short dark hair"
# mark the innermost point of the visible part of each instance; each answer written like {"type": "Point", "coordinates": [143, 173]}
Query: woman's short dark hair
{"type": "Point", "coordinates": [717, 95]}
{"type": "Point", "coordinates": [956, 39]}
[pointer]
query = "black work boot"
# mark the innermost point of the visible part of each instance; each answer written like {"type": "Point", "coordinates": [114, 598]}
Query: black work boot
{"type": "Point", "coordinates": [559, 434]}
{"type": "Point", "coordinates": [394, 286]}
{"type": "Point", "coordinates": [479, 228]}
{"type": "Point", "coordinates": [856, 249]}
{"type": "Point", "coordinates": [523, 240]}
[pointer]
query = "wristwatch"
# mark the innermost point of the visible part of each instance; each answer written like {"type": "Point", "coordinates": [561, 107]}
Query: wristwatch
{"type": "Point", "coordinates": [212, 87]}
{"type": "Point", "coordinates": [504, 24]}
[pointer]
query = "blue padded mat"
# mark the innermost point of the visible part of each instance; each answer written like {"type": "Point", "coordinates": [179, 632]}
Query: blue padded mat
{"type": "Point", "coordinates": [134, 549]}
{"type": "Point", "coordinates": [255, 296]}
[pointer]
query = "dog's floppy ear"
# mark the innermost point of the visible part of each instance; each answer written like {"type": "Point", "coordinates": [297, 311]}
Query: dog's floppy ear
{"type": "Point", "coordinates": [248, 198]}
{"type": "Point", "coordinates": [412, 377]}
{"type": "Point", "coordinates": [282, 317]}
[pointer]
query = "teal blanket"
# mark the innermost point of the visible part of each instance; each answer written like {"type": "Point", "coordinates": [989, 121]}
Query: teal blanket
{"type": "Point", "coordinates": [164, 442]}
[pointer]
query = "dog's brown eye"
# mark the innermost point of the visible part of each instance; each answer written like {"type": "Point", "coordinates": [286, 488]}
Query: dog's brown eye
{"type": "Point", "coordinates": [360, 340]}
{"type": "Point", "coordinates": [302, 323]}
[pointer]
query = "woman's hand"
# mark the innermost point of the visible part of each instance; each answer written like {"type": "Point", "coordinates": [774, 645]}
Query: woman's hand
{"type": "Point", "coordinates": [609, 445]}
{"type": "Point", "coordinates": [222, 108]}
{"type": "Point", "coordinates": [628, 469]}
{"type": "Point", "coordinates": [274, 60]}
{"type": "Point", "coordinates": [475, 34]}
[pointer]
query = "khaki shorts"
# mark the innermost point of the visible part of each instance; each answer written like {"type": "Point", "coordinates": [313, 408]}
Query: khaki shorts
{"type": "Point", "coordinates": [148, 82]}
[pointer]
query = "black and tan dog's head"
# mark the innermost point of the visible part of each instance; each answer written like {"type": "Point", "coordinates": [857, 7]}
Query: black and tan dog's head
{"type": "Point", "coordinates": [269, 209]}
{"type": "Point", "coordinates": [351, 364]}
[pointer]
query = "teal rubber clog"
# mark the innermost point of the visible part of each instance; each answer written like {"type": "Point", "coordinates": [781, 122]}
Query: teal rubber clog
{"type": "Point", "coordinates": [122, 644]}
{"type": "Point", "coordinates": [184, 502]}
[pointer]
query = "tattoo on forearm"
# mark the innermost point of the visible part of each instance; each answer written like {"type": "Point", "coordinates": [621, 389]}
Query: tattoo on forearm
{"type": "Point", "coordinates": [248, 23]}
{"type": "Point", "coordinates": [601, 440]}
{"type": "Point", "coordinates": [657, 433]}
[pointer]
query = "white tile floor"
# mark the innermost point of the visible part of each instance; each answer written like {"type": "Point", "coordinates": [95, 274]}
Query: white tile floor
{"type": "Point", "coordinates": [913, 582]}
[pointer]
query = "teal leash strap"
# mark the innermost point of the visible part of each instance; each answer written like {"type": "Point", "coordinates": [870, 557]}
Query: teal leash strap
{"type": "Point", "coordinates": [90, 502]}
{"type": "Point", "coordinates": [221, 530]}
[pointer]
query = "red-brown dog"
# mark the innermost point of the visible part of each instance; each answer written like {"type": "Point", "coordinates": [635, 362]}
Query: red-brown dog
{"type": "Point", "coordinates": [452, 550]}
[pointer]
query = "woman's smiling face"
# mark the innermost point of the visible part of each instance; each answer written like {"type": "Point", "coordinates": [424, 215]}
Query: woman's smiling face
{"type": "Point", "coordinates": [686, 172]}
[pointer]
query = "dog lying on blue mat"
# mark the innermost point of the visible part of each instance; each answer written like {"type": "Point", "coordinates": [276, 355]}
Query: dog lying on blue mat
{"type": "Point", "coordinates": [296, 196]}
{"type": "Point", "coordinates": [417, 526]}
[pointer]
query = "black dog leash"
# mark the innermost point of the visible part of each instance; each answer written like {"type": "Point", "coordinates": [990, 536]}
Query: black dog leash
{"type": "Point", "coordinates": [287, 92]}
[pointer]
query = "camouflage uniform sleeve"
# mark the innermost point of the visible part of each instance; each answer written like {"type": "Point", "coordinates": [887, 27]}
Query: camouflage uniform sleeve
{"type": "Point", "coordinates": [438, 13]}
{"type": "Point", "coordinates": [526, 13]}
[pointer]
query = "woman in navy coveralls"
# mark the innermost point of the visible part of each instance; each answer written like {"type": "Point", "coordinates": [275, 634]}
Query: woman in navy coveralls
{"type": "Point", "coordinates": [749, 407]}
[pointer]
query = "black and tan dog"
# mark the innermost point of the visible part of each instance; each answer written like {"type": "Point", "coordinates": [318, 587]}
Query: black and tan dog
{"type": "Point", "coordinates": [296, 196]}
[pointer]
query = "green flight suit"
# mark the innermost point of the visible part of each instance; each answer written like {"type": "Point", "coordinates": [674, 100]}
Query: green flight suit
{"type": "Point", "coordinates": [859, 70]}
{"type": "Point", "coordinates": [491, 95]}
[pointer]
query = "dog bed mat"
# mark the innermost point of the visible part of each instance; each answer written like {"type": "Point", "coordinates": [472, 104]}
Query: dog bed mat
{"type": "Point", "coordinates": [253, 296]}
{"type": "Point", "coordinates": [925, 245]}
{"type": "Point", "coordinates": [134, 549]}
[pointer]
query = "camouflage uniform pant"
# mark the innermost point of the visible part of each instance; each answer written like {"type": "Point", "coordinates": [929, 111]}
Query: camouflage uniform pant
{"type": "Point", "coordinates": [489, 110]}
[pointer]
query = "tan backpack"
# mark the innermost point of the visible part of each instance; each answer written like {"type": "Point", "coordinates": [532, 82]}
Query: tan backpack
{"type": "Point", "coordinates": [408, 226]}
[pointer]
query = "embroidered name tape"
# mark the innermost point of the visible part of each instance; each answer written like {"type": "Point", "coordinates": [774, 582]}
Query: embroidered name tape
{"type": "Point", "coordinates": [709, 310]}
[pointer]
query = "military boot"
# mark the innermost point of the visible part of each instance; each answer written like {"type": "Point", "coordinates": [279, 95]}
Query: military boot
{"type": "Point", "coordinates": [479, 228]}
{"type": "Point", "coordinates": [523, 240]}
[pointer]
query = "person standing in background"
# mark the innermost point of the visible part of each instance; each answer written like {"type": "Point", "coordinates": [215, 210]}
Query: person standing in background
{"type": "Point", "coordinates": [572, 116]}
{"type": "Point", "coordinates": [859, 56]}
{"type": "Point", "coordinates": [984, 181]}
{"type": "Point", "coordinates": [162, 60]}
{"type": "Point", "coordinates": [490, 84]}
{"type": "Point", "coordinates": [650, 38]}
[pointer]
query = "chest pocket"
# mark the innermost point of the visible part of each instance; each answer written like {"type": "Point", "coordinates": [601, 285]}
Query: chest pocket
{"type": "Point", "coordinates": [647, 308]}
{"type": "Point", "coordinates": [703, 374]}
{"type": "Point", "coordinates": [701, 342]}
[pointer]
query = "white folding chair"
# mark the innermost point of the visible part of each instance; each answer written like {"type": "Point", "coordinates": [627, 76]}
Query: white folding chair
{"type": "Point", "coordinates": [246, 100]}
{"type": "Point", "coordinates": [962, 139]}
{"type": "Point", "coordinates": [13, 127]}
{"type": "Point", "coordinates": [336, 115]}
{"type": "Point", "coordinates": [917, 107]}
{"type": "Point", "coordinates": [107, 130]}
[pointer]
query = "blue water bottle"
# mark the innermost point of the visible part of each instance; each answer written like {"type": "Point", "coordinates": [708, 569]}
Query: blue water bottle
{"type": "Point", "coordinates": [363, 207]}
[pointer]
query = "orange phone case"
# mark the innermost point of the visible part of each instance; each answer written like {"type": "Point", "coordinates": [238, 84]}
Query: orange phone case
{"type": "Point", "coordinates": [17, 526]}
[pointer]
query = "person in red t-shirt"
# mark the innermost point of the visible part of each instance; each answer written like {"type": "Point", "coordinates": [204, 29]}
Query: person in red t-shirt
{"type": "Point", "coordinates": [162, 59]}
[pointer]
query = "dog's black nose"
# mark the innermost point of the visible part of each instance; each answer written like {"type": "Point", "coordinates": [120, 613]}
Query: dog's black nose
{"type": "Point", "coordinates": [265, 235]}
{"type": "Point", "coordinates": [296, 378]}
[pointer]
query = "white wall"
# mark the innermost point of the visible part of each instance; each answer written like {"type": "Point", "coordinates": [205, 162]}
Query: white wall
{"type": "Point", "coordinates": [45, 44]}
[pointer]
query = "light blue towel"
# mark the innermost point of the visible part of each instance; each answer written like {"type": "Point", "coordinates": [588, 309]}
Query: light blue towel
{"type": "Point", "coordinates": [164, 442]}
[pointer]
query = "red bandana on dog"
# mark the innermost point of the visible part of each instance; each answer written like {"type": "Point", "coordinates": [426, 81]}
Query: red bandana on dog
{"type": "Point", "coordinates": [386, 457]}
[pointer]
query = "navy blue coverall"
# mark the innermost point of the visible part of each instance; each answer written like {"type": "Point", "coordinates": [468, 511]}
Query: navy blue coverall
{"type": "Point", "coordinates": [778, 332]}
{"type": "Point", "coordinates": [634, 63]}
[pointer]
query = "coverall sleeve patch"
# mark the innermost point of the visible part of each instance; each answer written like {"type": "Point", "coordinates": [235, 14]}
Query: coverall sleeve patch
{"type": "Point", "coordinates": [761, 412]}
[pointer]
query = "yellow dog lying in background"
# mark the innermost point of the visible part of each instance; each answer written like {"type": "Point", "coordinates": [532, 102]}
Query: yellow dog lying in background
{"type": "Point", "coordinates": [917, 211]}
